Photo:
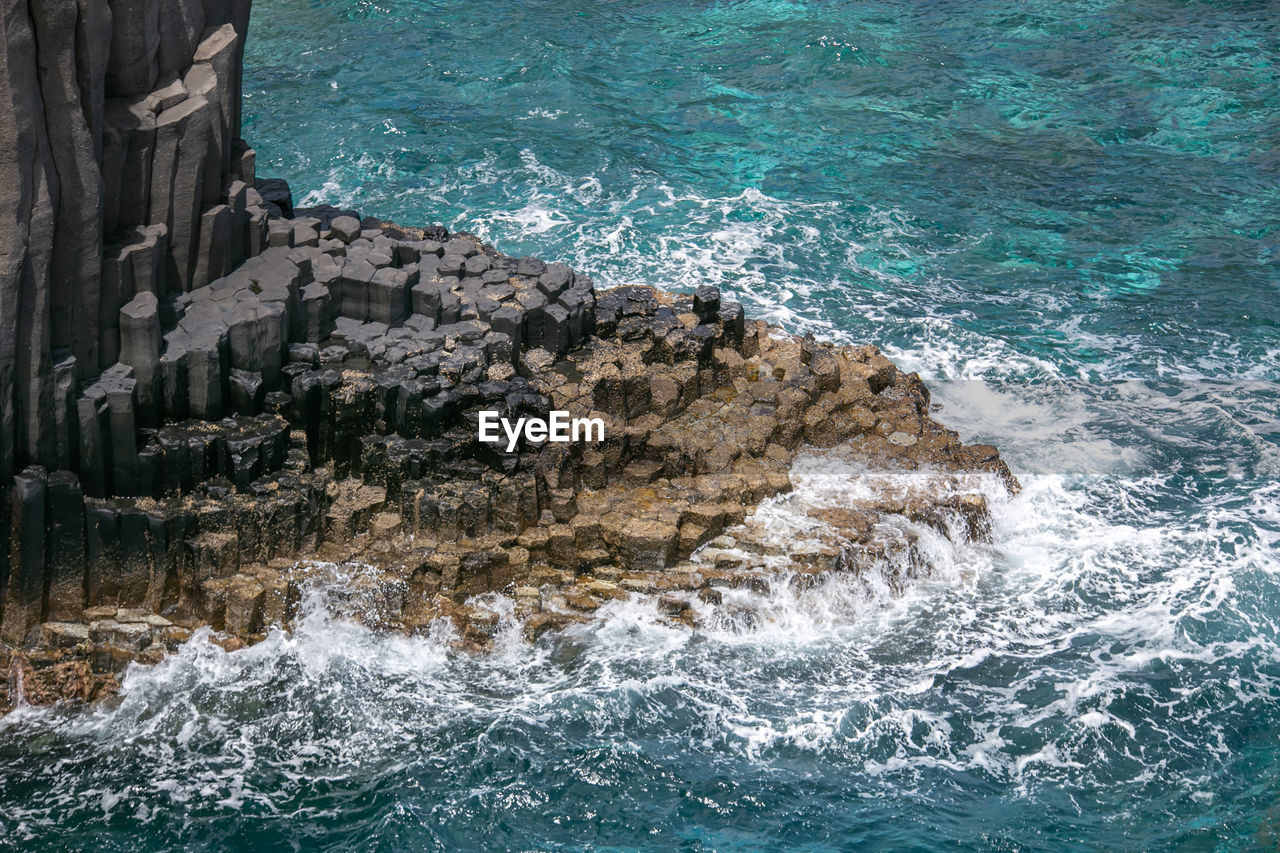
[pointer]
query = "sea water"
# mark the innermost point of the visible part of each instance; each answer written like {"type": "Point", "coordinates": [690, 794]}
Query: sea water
{"type": "Point", "coordinates": [1064, 215]}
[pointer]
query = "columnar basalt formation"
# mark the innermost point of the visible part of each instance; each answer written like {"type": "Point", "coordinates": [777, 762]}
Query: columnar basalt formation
{"type": "Point", "coordinates": [124, 174]}
{"type": "Point", "coordinates": [207, 391]}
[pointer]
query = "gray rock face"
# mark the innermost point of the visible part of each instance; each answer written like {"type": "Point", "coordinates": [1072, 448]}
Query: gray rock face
{"type": "Point", "coordinates": [28, 191]}
{"type": "Point", "coordinates": [389, 296]}
{"type": "Point", "coordinates": [201, 81]}
{"type": "Point", "coordinates": [25, 592]}
{"type": "Point", "coordinates": [140, 349]}
{"type": "Point", "coordinates": [128, 147]}
{"type": "Point", "coordinates": [180, 24]}
{"type": "Point", "coordinates": [192, 133]}
{"type": "Point", "coordinates": [120, 182]}
{"type": "Point", "coordinates": [73, 116]}
{"type": "Point", "coordinates": [65, 546]}
{"type": "Point", "coordinates": [345, 228]}
{"type": "Point", "coordinates": [220, 52]}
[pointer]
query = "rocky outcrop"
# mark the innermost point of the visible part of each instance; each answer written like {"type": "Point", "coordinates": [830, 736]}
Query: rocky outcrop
{"type": "Point", "coordinates": [208, 393]}
{"type": "Point", "coordinates": [123, 174]}
{"type": "Point", "coordinates": [321, 403]}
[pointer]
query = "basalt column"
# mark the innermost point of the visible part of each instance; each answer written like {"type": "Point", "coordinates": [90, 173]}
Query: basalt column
{"type": "Point", "coordinates": [122, 173]}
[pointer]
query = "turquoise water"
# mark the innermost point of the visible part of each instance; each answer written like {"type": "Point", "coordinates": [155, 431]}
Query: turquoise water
{"type": "Point", "coordinates": [1063, 214]}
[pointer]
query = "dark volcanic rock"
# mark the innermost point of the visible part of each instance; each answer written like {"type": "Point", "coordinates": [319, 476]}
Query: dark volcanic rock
{"type": "Point", "coordinates": [202, 388]}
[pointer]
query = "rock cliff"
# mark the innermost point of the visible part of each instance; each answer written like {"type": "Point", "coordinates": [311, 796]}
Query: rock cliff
{"type": "Point", "coordinates": [123, 175]}
{"type": "Point", "coordinates": [204, 392]}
